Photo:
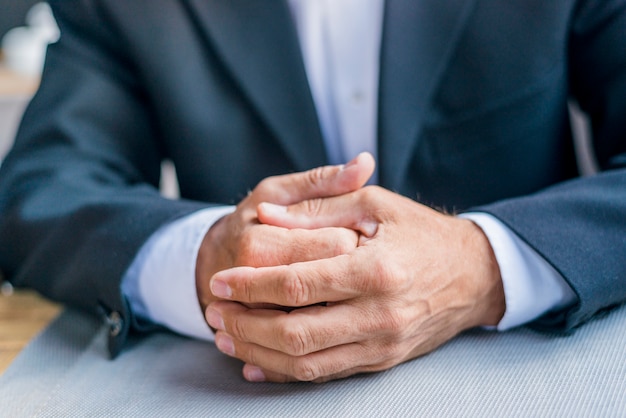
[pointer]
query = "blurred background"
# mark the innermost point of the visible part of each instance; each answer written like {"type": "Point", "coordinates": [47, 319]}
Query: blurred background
{"type": "Point", "coordinates": [13, 13]}
{"type": "Point", "coordinates": [26, 29]}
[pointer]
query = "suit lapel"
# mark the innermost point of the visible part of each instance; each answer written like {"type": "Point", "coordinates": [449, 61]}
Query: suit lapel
{"type": "Point", "coordinates": [258, 43]}
{"type": "Point", "coordinates": [418, 38]}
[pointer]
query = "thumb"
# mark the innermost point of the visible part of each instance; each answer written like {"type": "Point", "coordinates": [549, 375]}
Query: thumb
{"type": "Point", "coordinates": [327, 181]}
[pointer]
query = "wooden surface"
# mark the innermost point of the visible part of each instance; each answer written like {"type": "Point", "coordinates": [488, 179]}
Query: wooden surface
{"type": "Point", "coordinates": [12, 84]}
{"type": "Point", "coordinates": [23, 315]}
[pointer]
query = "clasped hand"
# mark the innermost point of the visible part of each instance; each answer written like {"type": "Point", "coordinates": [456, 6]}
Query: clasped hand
{"type": "Point", "coordinates": [360, 279]}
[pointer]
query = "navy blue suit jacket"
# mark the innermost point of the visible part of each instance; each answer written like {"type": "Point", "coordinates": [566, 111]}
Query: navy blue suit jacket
{"type": "Point", "coordinates": [473, 115]}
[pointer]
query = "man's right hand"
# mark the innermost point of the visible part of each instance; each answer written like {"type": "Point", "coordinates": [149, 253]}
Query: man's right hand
{"type": "Point", "coordinates": [240, 240]}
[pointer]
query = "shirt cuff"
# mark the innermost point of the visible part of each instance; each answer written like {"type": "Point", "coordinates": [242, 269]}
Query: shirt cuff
{"type": "Point", "coordinates": [160, 284]}
{"type": "Point", "coordinates": [532, 287]}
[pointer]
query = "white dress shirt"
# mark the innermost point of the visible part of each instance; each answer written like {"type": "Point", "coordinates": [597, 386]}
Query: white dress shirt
{"type": "Point", "coordinates": [340, 42]}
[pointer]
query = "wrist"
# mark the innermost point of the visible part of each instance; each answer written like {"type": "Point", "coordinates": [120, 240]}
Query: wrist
{"type": "Point", "coordinates": [488, 289]}
{"type": "Point", "coordinates": [207, 263]}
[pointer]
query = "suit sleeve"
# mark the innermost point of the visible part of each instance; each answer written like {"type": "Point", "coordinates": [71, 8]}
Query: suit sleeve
{"type": "Point", "coordinates": [580, 226]}
{"type": "Point", "coordinates": [78, 193]}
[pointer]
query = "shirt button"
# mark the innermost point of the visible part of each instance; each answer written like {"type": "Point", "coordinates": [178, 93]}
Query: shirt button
{"type": "Point", "coordinates": [358, 96]}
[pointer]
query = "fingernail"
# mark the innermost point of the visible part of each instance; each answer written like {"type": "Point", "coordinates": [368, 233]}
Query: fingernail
{"type": "Point", "coordinates": [220, 289]}
{"type": "Point", "coordinates": [272, 209]}
{"type": "Point", "coordinates": [225, 344]}
{"type": "Point", "coordinates": [254, 374]}
{"type": "Point", "coordinates": [350, 163]}
{"type": "Point", "coordinates": [214, 319]}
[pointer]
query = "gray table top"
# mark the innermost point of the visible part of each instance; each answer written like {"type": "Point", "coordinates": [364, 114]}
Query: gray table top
{"type": "Point", "coordinates": [66, 372]}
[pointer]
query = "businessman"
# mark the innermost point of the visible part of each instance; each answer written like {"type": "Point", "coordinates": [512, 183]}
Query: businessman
{"type": "Point", "coordinates": [360, 180]}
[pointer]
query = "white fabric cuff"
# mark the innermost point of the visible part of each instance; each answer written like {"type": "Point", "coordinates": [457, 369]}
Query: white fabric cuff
{"type": "Point", "coordinates": [161, 282]}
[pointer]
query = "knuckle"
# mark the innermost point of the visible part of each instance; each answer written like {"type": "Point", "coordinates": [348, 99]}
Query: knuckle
{"type": "Point", "coordinates": [387, 354]}
{"type": "Point", "coordinates": [346, 242]}
{"type": "Point", "coordinates": [264, 185]}
{"type": "Point", "coordinates": [238, 329]}
{"type": "Point", "coordinates": [296, 290]}
{"type": "Point", "coordinates": [247, 248]}
{"type": "Point", "coordinates": [255, 248]}
{"type": "Point", "coordinates": [395, 323]}
{"type": "Point", "coordinates": [386, 279]}
{"type": "Point", "coordinates": [312, 207]}
{"type": "Point", "coordinates": [392, 355]}
{"type": "Point", "coordinates": [294, 340]}
{"type": "Point", "coordinates": [294, 250]}
{"type": "Point", "coordinates": [249, 355]}
{"type": "Point", "coordinates": [316, 176]}
{"type": "Point", "coordinates": [373, 196]}
{"type": "Point", "coordinates": [305, 369]}
{"type": "Point", "coordinates": [243, 290]}
{"type": "Point", "coordinates": [248, 292]}
{"type": "Point", "coordinates": [369, 193]}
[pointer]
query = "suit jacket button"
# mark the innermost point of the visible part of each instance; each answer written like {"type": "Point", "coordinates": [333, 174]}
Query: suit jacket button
{"type": "Point", "coordinates": [114, 321]}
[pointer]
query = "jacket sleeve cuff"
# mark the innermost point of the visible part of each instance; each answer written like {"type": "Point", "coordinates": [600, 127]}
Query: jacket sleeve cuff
{"type": "Point", "coordinates": [160, 284]}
